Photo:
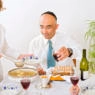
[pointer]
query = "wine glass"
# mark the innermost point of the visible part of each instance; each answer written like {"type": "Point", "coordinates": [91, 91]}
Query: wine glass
{"type": "Point", "coordinates": [55, 56]}
{"type": "Point", "coordinates": [25, 82]}
{"type": "Point", "coordinates": [74, 80]}
{"type": "Point", "coordinates": [75, 88]}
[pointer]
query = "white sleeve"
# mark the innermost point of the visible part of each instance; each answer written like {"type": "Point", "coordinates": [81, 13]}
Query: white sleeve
{"type": "Point", "coordinates": [10, 52]}
{"type": "Point", "coordinates": [74, 45]}
{"type": "Point", "coordinates": [4, 48]}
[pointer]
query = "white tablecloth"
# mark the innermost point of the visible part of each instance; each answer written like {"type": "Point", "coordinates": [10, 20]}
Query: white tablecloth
{"type": "Point", "coordinates": [58, 88]}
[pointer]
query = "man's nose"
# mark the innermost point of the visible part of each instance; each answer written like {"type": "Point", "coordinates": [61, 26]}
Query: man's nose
{"type": "Point", "coordinates": [44, 30]}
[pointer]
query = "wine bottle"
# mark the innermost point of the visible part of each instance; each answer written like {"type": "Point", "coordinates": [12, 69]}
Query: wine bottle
{"type": "Point", "coordinates": [84, 66]}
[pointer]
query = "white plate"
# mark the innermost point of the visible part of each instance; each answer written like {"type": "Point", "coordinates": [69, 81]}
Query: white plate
{"type": "Point", "coordinates": [67, 78]}
{"type": "Point", "coordinates": [8, 92]}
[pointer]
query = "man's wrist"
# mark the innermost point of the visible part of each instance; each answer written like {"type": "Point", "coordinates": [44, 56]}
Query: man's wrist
{"type": "Point", "coordinates": [70, 52]}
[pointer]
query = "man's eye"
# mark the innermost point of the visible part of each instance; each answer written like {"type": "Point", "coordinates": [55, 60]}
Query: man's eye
{"type": "Point", "coordinates": [48, 27]}
{"type": "Point", "coordinates": [41, 27]}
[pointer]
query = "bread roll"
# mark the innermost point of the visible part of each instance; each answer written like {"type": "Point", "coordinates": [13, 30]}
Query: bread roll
{"type": "Point", "coordinates": [63, 70]}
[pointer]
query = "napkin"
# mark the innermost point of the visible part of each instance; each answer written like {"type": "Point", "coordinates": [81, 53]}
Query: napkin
{"type": "Point", "coordinates": [9, 87]}
{"type": "Point", "coordinates": [89, 83]}
{"type": "Point", "coordinates": [8, 92]}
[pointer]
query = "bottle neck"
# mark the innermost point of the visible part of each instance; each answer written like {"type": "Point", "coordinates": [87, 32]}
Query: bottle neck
{"type": "Point", "coordinates": [84, 53]}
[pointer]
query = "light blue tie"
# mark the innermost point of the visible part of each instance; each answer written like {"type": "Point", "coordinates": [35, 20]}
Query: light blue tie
{"type": "Point", "coordinates": [50, 59]}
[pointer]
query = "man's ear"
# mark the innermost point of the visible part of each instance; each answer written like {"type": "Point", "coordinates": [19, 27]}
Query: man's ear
{"type": "Point", "coordinates": [57, 25]}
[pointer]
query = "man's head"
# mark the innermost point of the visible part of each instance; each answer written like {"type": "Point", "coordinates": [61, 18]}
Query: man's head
{"type": "Point", "coordinates": [48, 24]}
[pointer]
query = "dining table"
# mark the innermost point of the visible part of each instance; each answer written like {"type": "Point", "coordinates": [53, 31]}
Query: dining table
{"type": "Point", "coordinates": [14, 87]}
{"type": "Point", "coordinates": [61, 87]}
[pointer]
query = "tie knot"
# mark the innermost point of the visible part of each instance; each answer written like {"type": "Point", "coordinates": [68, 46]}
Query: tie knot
{"type": "Point", "coordinates": [50, 43]}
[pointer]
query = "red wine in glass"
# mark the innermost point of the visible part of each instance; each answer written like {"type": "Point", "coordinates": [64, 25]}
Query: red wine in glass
{"type": "Point", "coordinates": [55, 57]}
{"type": "Point", "coordinates": [74, 80]}
{"type": "Point", "coordinates": [25, 83]}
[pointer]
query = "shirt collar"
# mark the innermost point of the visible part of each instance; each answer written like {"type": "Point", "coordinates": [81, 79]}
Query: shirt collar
{"type": "Point", "coordinates": [52, 40]}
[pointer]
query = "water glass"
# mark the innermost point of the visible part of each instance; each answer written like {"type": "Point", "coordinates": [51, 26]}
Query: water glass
{"type": "Point", "coordinates": [44, 79]}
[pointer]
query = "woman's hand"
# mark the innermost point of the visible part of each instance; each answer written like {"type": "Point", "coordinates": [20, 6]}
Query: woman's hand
{"type": "Point", "coordinates": [24, 55]}
{"type": "Point", "coordinates": [74, 90]}
{"type": "Point", "coordinates": [1, 55]}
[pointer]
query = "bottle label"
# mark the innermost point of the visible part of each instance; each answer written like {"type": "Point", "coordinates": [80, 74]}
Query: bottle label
{"type": "Point", "coordinates": [85, 74]}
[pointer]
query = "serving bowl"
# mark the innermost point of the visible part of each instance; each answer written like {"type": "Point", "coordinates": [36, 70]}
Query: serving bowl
{"type": "Point", "coordinates": [19, 73]}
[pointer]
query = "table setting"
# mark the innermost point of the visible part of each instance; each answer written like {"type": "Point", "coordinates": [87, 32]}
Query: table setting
{"type": "Point", "coordinates": [26, 80]}
{"type": "Point", "coordinates": [38, 84]}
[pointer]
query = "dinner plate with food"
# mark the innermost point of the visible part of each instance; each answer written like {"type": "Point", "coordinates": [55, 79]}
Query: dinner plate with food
{"type": "Point", "coordinates": [25, 72]}
{"type": "Point", "coordinates": [61, 73]}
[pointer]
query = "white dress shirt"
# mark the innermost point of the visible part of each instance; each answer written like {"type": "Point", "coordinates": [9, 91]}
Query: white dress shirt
{"type": "Point", "coordinates": [38, 46]}
{"type": "Point", "coordinates": [5, 49]}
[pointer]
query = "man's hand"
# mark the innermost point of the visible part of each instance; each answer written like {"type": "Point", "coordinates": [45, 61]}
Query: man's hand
{"type": "Point", "coordinates": [41, 71]}
{"type": "Point", "coordinates": [62, 53]}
